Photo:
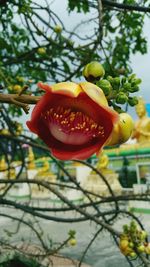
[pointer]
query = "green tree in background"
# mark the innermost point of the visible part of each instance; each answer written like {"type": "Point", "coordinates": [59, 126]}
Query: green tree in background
{"type": "Point", "coordinates": [36, 44]}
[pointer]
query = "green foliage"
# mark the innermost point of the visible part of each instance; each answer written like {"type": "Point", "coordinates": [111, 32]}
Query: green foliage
{"type": "Point", "coordinates": [13, 259]}
{"type": "Point", "coordinates": [126, 38]}
{"type": "Point", "coordinates": [72, 233]}
{"type": "Point", "coordinates": [82, 5]}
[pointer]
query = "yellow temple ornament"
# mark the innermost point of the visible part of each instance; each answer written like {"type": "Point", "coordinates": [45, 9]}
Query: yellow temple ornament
{"type": "Point", "coordinates": [142, 127]}
{"type": "Point", "coordinates": [94, 183]}
{"type": "Point", "coordinates": [45, 174]}
{"type": "Point", "coordinates": [12, 173]}
{"type": "Point", "coordinates": [44, 169]}
{"type": "Point", "coordinates": [3, 164]}
{"type": "Point", "coordinates": [102, 164]}
{"type": "Point", "coordinates": [31, 158]}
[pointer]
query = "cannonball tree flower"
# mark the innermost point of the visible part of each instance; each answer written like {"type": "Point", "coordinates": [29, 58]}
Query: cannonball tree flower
{"type": "Point", "coordinates": [74, 120]}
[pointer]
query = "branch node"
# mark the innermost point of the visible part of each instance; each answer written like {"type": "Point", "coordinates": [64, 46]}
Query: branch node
{"type": "Point", "coordinates": [20, 104]}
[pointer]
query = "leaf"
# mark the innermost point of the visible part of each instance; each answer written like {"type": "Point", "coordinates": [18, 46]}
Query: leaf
{"type": "Point", "coordinates": [66, 66]}
{"type": "Point", "coordinates": [80, 5]}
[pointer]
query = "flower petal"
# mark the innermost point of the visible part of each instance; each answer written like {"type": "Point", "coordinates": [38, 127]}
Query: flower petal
{"type": "Point", "coordinates": [94, 92]}
{"type": "Point", "coordinates": [97, 95]}
{"type": "Point", "coordinates": [65, 88]}
{"type": "Point", "coordinates": [79, 154]}
{"type": "Point", "coordinates": [38, 109]}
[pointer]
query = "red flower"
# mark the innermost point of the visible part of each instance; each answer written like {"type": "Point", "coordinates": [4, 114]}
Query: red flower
{"type": "Point", "coordinates": [74, 120]}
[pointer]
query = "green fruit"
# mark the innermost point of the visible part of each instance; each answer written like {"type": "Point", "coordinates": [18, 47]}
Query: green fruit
{"type": "Point", "coordinates": [126, 126]}
{"type": "Point", "coordinates": [124, 79]}
{"type": "Point", "coordinates": [85, 70]}
{"type": "Point", "coordinates": [133, 225]}
{"type": "Point", "coordinates": [147, 248]}
{"type": "Point", "coordinates": [135, 81]}
{"type": "Point", "coordinates": [131, 245]}
{"type": "Point", "coordinates": [93, 71]}
{"type": "Point", "coordinates": [58, 29]}
{"type": "Point", "coordinates": [121, 98]}
{"type": "Point", "coordinates": [110, 79]}
{"type": "Point", "coordinates": [17, 88]}
{"type": "Point", "coordinates": [121, 132]}
{"type": "Point", "coordinates": [132, 254]}
{"type": "Point", "coordinates": [138, 81]}
{"type": "Point", "coordinates": [133, 101]}
{"type": "Point", "coordinates": [131, 77]}
{"type": "Point", "coordinates": [41, 51]}
{"type": "Point", "coordinates": [141, 248]}
{"type": "Point", "coordinates": [116, 81]}
{"type": "Point", "coordinates": [125, 228]}
{"type": "Point", "coordinates": [134, 89]}
{"type": "Point", "coordinates": [127, 86]}
{"type": "Point", "coordinates": [72, 242]}
{"type": "Point", "coordinates": [123, 244]}
{"type": "Point", "coordinates": [105, 86]}
{"type": "Point", "coordinates": [143, 235]}
{"type": "Point", "coordinates": [20, 79]}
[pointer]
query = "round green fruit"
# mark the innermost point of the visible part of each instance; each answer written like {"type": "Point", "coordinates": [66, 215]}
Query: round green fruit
{"type": "Point", "coordinates": [72, 242]}
{"type": "Point", "coordinates": [41, 51]}
{"type": "Point", "coordinates": [58, 29]}
{"type": "Point", "coordinates": [121, 98]}
{"type": "Point", "coordinates": [105, 86]}
{"type": "Point", "coordinates": [93, 71]}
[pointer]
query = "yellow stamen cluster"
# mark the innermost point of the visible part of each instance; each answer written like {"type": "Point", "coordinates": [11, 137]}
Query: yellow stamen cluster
{"type": "Point", "coordinates": [73, 121]}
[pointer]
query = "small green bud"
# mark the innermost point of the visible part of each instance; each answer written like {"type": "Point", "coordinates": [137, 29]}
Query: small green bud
{"type": "Point", "coordinates": [20, 79]}
{"type": "Point", "coordinates": [70, 43]}
{"type": "Point", "coordinates": [132, 101]}
{"type": "Point", "coordinates": [132, 254]}
{"type": "Point", "coordinates": [131, 77]}
{"type": "Point", "coordinates": [135, 81]}
{"type": "Point", "coordinates": [141, 248]}
{"type": "Point", "coordinates": [116, 81]}
{"type": "Point", "coordinates": [143, 235]}
{"type": "Point", "coordinates": [127, 86]}
{"type": "Point", "coordinates": [125, 228]}
{"type": "Point", "coordinates": [105, 86]}
{"type": "Point", "coordinates": [131, 245]}
{"type": "Point", "coordinates": [110, 79]}
{"type": "Point", "coordinates": [58, 29]}
{"type": "Point", "coordinates": [134, 89]}
{"type": "Point", "coordinates": [138, 81]}
{"type": "Point", "coordinates": [121, 98]}
{"type": "Point", "coordinates": [93, 71]}
{"type": "Point", "coordinates": [133, 224]}
{"type": "Point", "coordinates": [124, 79]}
{"type": "Point", "coordinates": [72, 242]}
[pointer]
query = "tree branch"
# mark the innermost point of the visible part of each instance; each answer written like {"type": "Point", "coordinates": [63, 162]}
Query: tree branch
{"type": "Point", "coordinates": [19, 100]}
{"type": "Point", "coordinates": [125, 6]}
